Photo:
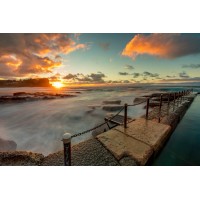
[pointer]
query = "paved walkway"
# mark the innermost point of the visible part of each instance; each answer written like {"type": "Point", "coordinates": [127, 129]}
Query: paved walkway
{"type": "Point", "coordinates": [138, 141]}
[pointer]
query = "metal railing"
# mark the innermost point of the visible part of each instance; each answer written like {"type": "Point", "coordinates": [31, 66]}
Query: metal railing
{"type": "Point", "coordinates": [175, 98]}
{"type": "Point", "coordinates": [165, 99]}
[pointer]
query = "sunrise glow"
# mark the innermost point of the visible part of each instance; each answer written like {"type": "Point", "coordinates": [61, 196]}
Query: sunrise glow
{"type": "Point", "coordinates": [57, 84]}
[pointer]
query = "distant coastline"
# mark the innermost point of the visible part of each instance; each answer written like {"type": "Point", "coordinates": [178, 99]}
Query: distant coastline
{"type": "Point", "coordinates": [39, 82]}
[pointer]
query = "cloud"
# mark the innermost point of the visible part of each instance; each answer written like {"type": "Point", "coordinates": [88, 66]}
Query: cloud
{"type": "Point", "coordinates": [104, 45]}
{"type": "Point", "coordinates": [150, 74]}
{"type": "Point", "coordinates": [126, 81]}
{"type": "Point", "coordinates": [183, 75]}
{"type": "Point", "coordinates": [193, 66]}
{"type": "Point", "coordinates": [70, 76]}
{"type": "Point", "coordinates": [181, 80]}
{"type": "Point", "coordinates": [168, 76]}
{"type": "Point", "coordinates": [145, 75]}
{"type": "Point", "coordinates": [163, 45]}
{"type": "Point", "coordinates": [119, 81]}
{"type": "Point", "coordinates": [129, 67]}
{"type": "Point", "coordinates": [136, 75]}
{"type": "Point", "coordinates": [24, 54]}
{"type": "Point", "coordinates": [123, 73]}
{"type": "Point", "coordinates": [97, 77]}
{"type": "Point", "coordinates": [89, 78]}
{"type": "Point", "coordinates": [56, 77]}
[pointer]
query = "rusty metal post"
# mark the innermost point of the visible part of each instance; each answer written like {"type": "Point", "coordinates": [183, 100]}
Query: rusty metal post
{"type": "Point", "coordinates": [168, 107]}
{"type": "Point", "coordinates": [168, 99]}
{"type": "Point", "coordinates": [125, 115]}
{"type": "Point", "coordinates": [160, 106]}
{"type": "Point", "coordinates": [67, 148]}
{"type": "Point", "coordinates": [181, 96]}
{"type": "Point", "coordinates": [178, 99]}
{"type": "Point", "coordinates": [147, 108]}
{"type": "Point", "coordinates": [174, 101]}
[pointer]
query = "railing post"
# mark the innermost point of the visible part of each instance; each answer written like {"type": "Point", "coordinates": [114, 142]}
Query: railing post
{"type": "Point", "coordinates": [67, 148]}
{"type": "Point", "coordinates": [181, 96]}
{"type": "Point", "coordinates": [168, 107]}
{"type": "Point", "coordinates": [178, 99]}
{"type": "Point", "coordinates": [174, 100]}
{"type": "Point", "coordinates": [168, 99]}
{"type": "Point", "coordinates": [160, 108]}
{"type": "Point", "coordinates": [125, 115]}
{"type": "Point", "coordinates": [147, 108]}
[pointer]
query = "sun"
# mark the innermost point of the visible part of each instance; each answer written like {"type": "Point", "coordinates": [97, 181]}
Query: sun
{"type": "Point", "coordinates": [57, 84]}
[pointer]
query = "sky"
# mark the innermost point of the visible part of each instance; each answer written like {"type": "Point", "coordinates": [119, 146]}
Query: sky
{"type": "Point", "coordinates": [96, 59]}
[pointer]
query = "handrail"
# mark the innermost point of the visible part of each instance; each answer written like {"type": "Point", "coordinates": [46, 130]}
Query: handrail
{"type": "Point", "coordinates": [180, 94]}
{"type": "Point", "coordinates": [67, 136]}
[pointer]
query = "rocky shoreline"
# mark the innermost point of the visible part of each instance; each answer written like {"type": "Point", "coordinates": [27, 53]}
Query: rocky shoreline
{"type": "Point", "coordinates": [26, 97]}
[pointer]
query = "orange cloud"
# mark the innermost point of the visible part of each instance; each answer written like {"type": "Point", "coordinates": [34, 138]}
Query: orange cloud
{"type": "Point", "coordinates": [162, 45]}
{"type": "Point", "coordinates": [25, 54]}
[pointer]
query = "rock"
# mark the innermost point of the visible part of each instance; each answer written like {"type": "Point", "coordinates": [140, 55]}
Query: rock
{"type": "Point", "coordinates": [94, 106]}
{"type": "Point", "coordinates": [19, 93]}
{"type": "Point", "coordinates": [128, 161]}
{"type": "Point", "coordinates": [20, 158]}
{"type": "Point", "coordinates": [48, 97]}
{"type": "Point", "coordinates": [23, 97]}
{"type": "Point", "coordinates": [152, 104]}
{"type": "Point", "coordinates": [112, 108]}
{"type": "Point", "coordinates": [7, 145]}
{"type": "Point", "coordinates": [112, 102]}
{"type": "Point", "coordinates": [139, 99]}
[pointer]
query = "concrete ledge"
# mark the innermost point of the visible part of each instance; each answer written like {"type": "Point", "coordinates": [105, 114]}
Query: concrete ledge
{"type": "Point", "coordinates": [147, 131]}
{"type": "Point", "coordinates": [121, 145]}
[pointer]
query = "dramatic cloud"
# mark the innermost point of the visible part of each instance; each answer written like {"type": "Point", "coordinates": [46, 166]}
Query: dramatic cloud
{"type": "Point", "coordinates": [81, 78]}
{"type": "Point", "coordinates": [123, 73]}
{"type": "Point", "coordinates": [184, 75]}
{"type": "Point", "coordinates": [129, 67]}
{"type": "Point", "coordinates": [104, 45]}
{"type": "Point", "coordinates": [193, 66]}
{"type": "Point", "coordinates": [166, 45]}
{"type": "Point", "coordinates": [23, 54]}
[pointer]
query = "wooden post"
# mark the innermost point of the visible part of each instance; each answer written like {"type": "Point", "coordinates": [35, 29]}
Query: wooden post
{"type": "Point", "coordinates": [147, 108]}
{"type": "Point", "coordinates": [160, 106]}
{"type": "Point", "coordinates": [125, 115]}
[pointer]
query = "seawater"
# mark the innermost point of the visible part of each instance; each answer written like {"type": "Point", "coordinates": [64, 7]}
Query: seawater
{"type": "Point", "coordinates": [38, 126]}
{"type": "Point", "coordinates": [182, 149]}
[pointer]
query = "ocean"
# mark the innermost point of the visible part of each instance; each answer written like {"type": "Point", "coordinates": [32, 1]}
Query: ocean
{"type": "Point", "coordinates": [182, 148]}
{"type": "Point", "coordinates": [38, 126]}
